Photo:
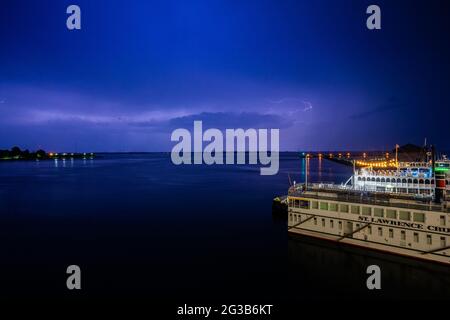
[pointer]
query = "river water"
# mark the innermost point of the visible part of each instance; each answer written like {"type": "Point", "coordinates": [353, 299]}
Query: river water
{"type": "Point", "coordinates": [141, 227]}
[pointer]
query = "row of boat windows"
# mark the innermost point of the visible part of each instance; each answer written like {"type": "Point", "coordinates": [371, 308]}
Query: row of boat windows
{"type": "Point", "coordinates": [398, 180]}
{"type": "Point", "coordinates": [363, 210]}
{"type": "Point", "coordinates": [391, 232]}
{"type": "Point", "coordinates": [407, 190]}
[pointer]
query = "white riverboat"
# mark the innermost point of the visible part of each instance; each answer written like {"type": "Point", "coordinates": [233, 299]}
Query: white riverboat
{"type": "Point", "coordinates": [403, 211]}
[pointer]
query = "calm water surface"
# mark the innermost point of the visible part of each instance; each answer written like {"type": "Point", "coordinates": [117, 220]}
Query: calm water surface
{"type": "Point", "coordinates": [139, 226]}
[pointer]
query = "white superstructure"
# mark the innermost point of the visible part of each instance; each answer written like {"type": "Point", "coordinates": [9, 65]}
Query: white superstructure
{"type": "Point", "coordinates": [408, 177]}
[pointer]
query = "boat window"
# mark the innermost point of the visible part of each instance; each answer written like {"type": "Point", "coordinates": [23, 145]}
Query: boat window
{"type": "Point", "coordinates": [416, 237]}
{"type": "Point", "coordinates": [343, 208]}
{"type": "Point", "coordinates": [331, 223]}
{"type": "Point", "coordinates": [378, 212]}
{"type": "Point", "coordinates": [380, 231]}
{"type": "Point", "coordinates": [429, 240]}
{"type": "Point", "coordinates": [314, 205]}
{"type": "Point", "coordinates": [391, 233]}
{"type": "Point", "coordinates": [324, 206]}
{"type": "Point", "coordinates": [315, 221]}
{"type": "Point", "coordinates": [370, 229]}
{"type": "Point", "coordinates": [367, 211]}
{"type": "Point", "coordinates": [391, 214]}
{"type": "Point", "coordinates": [403, 235]}
{"type": "Point", "coordinates": [304, 204]}
{"type": "Point", "coordinates": [442, 220]}
{"type": "Point", "coordinates": [355, 209]}
{"type": "Point", "coordinates": [333, 207]}
{"type": "Point", "coordinates": [340, 225]}
{"type": "Point", "coordinates": [443, 242]}
{"type": "Point", "coordinates": [419, 217]}
{"type": "Point", "coordinates": [323, 222]}
{"type": "Point", "coordinates": [404, 215]}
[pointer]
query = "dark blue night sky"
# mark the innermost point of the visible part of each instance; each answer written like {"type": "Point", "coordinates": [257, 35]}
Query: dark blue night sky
{"type": "Point", "coordinates": [138, 69]}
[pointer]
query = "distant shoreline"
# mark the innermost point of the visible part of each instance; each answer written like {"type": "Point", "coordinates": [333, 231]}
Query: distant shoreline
{"type": "Point", "coordinates": [15, 154]}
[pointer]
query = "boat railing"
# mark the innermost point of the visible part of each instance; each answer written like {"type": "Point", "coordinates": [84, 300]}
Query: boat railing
{"type": "Point", "coordinates": [349, 194]}
{"type": "Point", "coordinates": [356, 188]}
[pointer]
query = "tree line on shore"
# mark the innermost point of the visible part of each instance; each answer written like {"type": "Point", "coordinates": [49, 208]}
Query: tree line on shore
{"type": "Point", "coordinates": [16, 153]}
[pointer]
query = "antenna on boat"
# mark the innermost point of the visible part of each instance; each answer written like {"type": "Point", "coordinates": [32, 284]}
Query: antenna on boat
{"type": "Point", "coordinates": [289, 177]}
{"type": "Point", "coordinates": [354, 172]}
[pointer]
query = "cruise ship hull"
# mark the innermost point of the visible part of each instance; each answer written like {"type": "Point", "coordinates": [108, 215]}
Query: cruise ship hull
{"type": "Point", "coordinates": [413, 233]}
{"type": "Point", "coordinates": [364, 245]}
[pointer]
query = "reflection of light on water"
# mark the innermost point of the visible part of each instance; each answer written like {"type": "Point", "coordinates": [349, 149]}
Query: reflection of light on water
{"type": "Point", "coordinates": [320, 169]}
{"type": "Point", "coordinates": [303, 169]}
{"type": "Point", "coordinates": [56, 163]}
{"type": "Point", "coordinates": [305, 172]}
{"type": "Point", "coordinates": [308, 167]}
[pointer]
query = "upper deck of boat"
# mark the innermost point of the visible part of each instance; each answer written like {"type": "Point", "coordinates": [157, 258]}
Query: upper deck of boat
{"type": "Point", "coordinates": [342, 193]}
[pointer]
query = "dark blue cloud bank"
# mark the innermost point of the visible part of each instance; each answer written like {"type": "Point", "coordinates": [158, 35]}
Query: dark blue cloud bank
{"type": "Point", "coordinates": [139, 69]}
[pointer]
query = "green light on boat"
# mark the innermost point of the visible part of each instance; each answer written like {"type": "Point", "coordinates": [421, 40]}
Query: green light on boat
{"type": "Point", "coordinates": [439, 169]}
